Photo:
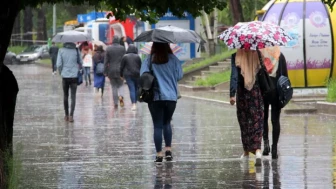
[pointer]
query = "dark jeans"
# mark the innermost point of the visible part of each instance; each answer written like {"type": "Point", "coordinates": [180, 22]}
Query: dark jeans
{"type": "Point", "coordinates": [275, 118]}
{"type": "Point", "coordinates": [162, 112]}
{"type": "Point", "coordinates": [53, 63]}
{"type": "Point", "coordinates": [132, 84]}
{"type": "Point", "coordinates": [69, 83]}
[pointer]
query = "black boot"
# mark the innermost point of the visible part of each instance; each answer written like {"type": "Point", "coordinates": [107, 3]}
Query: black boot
{"type": "Point", "coordinates": [274, 152]}
{"type": "Point", "coordinates": [266, 148]}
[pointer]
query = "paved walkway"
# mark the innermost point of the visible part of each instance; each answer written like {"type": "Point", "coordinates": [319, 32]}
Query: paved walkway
{"type": "Point", "coordinates": [107, 148]}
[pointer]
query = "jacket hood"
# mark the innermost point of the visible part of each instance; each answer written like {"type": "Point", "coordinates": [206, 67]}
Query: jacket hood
{"type": "Point", "coordinates": [69, 45]}
{"type": "Point", "coordinates": [132, 49]}
{"type": "Point", "coordinates": [116, 39]}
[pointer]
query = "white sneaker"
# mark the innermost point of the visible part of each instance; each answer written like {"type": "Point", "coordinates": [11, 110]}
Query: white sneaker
{"type": "Point", "coordinates": [258, 159]}
{"type": "Point", "coordinates": [133, 107]}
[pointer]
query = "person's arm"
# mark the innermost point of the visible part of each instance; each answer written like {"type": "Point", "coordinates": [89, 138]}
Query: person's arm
{"type": "Point", "coordinates": [145, 66]}
{"type": "Point", "coordinates": [59, 62]}
{"type": "Point", "coordinates": [106, 63]}
{"type": "Point", "coordinates": [283, 66]}
{"type": "Point", "coordinates": [234, 76]}
{"type": "Point", "coordinates": [122, 65]}
{"type": "Point", "coordinates": [179, 70]}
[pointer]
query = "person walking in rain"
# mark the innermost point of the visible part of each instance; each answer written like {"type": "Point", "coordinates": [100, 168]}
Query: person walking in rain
{"type": "Point", "coordinates": [69, 62]}
{"type": "Point", "coordinates": [87, 64]}
{"type": "Point", "coordinates": [130, 70]}
{"type": "Point", "coordinates": [250, 106]}
{"type": "Point", "coordinates": [167, 70]}
{"type": "Point", "coordinates": [53, 51]}
{"type": "Point", "coordinates": [112, 61]}
{"type": "Point", "coordinates": [99, 79]}
{"type": "Point", "coordinates": [275, 63]}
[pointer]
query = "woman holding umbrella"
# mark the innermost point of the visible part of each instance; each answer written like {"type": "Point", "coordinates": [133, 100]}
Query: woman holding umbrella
{"type": "Point", "coordinates": [250, 105]}
{"type": "Point", "coordinates": [248, 38]}
{"type": "Point", "coordinates": [167, 70]}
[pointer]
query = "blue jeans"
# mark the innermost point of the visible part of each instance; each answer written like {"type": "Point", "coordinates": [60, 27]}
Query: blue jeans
{"type": "Point", "coordinates": [132, 84]}
{"type": "Point", "coordinates": [87, 74]}
{"type": "Point", "coordinates": [162, 112]}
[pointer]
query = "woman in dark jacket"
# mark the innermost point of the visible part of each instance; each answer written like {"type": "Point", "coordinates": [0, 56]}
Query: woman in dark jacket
{"type": "Point", "coordinates": [280, 68]}
{"type": "Point", "coordinates": [130, 70]}
{"type": "Point", "coordinates": [99, 79]}
{"type": "Point", "coordinates": [250, 106]}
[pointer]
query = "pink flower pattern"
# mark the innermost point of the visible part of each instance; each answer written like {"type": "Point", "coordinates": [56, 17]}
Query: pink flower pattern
{"type": "Point", "coordinates": [254, 35]}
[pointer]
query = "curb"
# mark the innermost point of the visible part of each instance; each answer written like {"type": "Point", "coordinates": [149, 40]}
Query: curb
{"type": "Point", "coordinates": [206, 99]}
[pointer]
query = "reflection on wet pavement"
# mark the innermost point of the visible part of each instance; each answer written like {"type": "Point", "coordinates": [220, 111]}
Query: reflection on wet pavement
{"type": "Point", "coordinates": [108, 148]}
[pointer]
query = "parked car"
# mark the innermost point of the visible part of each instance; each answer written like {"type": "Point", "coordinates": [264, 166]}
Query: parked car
{"type": "Point", "coordinates": [10, 58]}
{"type": "Point", "coordinates": [33, 53]}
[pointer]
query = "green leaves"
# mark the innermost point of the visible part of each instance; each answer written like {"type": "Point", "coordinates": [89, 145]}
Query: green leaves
{"type": "Point", "coordinates": [330, 3]}
{"type": "Point", "coordinates": [149, 10]}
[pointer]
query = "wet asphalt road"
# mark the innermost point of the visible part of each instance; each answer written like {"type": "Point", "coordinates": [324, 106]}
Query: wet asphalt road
{"type": "Point", "coordinates": [108, 148]}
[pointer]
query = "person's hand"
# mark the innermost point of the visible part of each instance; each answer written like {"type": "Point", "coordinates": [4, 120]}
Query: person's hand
{"type": "Point", "coordinates": [232, 100]}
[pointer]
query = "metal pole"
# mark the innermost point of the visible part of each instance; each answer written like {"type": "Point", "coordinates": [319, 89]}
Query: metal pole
{"type": "Point", "coordinates": [54, 19]}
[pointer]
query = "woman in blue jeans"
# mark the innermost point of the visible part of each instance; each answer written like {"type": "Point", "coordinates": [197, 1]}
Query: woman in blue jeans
{"type": "Point", "coordinates": [167, 71]}
{"type": "Point", "coordinates": [130, 70]}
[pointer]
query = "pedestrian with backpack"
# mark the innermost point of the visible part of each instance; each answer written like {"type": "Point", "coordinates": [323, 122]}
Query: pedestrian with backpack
{"type": "Point", "coordinates": [167, 71]}
{"type": "Point", "coordinates": [98, 69]}
{"type": "Point", "coordinates": [275, 63]}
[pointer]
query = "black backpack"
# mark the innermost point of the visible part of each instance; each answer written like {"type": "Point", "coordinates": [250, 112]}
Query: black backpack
{"type": "Point", "coordinates": [285, 90]}
{"type": "Point", "coordinates": [146, 85]}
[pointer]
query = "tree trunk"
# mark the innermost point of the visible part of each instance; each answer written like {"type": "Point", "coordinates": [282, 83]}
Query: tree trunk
{"type": "Point", "coordinates": [8, 13]}
{"type": "Point", "coordinates": [41, 25]}
{"type": "Point", "coordinates": [237, 11]}
{"type": "Point", "coordinates": [210, 39]}
{"type": "Point", "coordinates": [16, 35]}
{"type": "Point", "coordinates": [215, 32]}
{"type": "Point", "coordinates": [28, 26]}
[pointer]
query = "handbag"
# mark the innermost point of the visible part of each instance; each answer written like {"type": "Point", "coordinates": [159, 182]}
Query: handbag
{"type": "Point", "coordinates": [146, 85]}
{"type": "Point", "coordinates": [266, 85]}
{"type": "Point", "coordinates": [80, 71]}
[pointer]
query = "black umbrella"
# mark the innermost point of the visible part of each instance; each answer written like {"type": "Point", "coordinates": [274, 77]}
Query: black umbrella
{"type": "Point", "coordinates": [169, 34]}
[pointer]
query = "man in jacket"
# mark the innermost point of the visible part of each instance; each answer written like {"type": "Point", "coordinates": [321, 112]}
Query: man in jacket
{"type": "Point", "coordinates": [53, 51]}
{"type": "Point", "coordinates": [112, 61]}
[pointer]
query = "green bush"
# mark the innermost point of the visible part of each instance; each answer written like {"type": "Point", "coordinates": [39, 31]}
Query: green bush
{"type": "Point", "coordinates": [331, 97]}
{"type": "Point", "coordinates": [16, 49]}
{"type": "Point", "coordinates": [209, 60]}
{"type": "Point", "coordinates": [214, 79]}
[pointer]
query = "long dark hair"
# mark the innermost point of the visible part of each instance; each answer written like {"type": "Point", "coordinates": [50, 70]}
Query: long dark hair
{"type": "Point", "coordinates": [160, 52]}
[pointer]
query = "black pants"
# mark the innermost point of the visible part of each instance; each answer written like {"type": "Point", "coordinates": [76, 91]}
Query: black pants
{"type": "Point", "coordinates": [275, 118]}
{"type": "Point", "coordinates": [53, 63]}
{"type": "Point", "coordinates": [69, 83]}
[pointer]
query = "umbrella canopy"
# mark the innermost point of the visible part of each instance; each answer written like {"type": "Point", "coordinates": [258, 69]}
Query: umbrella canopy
{"type": "Point", "coordinates": [146, 49]}
{"type": "Point", "coordinates": [169, 34]}
{"type": "Point", "coordinates": [71, 36]}
{"type": "Point", "coordinates": [254, 35]}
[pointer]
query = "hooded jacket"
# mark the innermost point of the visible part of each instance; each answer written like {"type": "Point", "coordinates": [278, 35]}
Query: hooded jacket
{"type": "Point", "coordinates": [69, 60]}
{"type": "Point", "coordinates": [130, 63]}
{"type": "Point", "coordinates": [113, 56]}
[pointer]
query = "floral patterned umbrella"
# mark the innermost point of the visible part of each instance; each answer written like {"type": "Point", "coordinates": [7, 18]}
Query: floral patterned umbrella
{"type": "Point", "coordinates": [254, 35]}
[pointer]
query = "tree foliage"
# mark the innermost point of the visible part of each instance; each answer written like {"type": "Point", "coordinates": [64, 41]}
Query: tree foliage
{"type": "Point", "coordinates": [330, 3]}
{"type": "Point", "coordinates": [149, 10]}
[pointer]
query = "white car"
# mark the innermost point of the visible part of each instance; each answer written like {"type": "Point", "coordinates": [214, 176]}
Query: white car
{"type": "Point", "coordinates": [33, 53]}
